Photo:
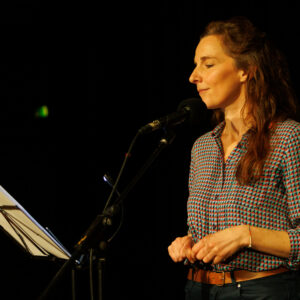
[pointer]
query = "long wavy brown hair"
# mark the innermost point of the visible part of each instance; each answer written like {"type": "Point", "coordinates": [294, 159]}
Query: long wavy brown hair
{"type": "Point", "coordinates": [269, 94]}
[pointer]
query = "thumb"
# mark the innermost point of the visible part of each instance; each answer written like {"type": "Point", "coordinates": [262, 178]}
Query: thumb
{"type": "Point", "coordinates": [190, 256]}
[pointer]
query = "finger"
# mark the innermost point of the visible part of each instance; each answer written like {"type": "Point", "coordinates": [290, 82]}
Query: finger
{"type": "Point", "coordinates": [212, 254]}
{"type": "Point", "coordinates": [216, 256]}
{"type": "Point", "coordinates": [186, 248]}
{"type": "Point", "coordinates": [220, 259]}
{"type": "Point", "coordinates": [190, 256]}
{"type": "Point", "coordinates": [202, 253]}
{"type": "Point", "coordinates": [197, 247]}
{"type": "Point", "coordinates": [173, 253]}
{"type": "Point", "coordinates": [205, 249]}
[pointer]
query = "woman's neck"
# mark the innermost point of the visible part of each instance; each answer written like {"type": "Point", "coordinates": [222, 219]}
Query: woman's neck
{"type": "Point", "coordinates": [235, 128]}
{"type": "Point", "coordinates": [235, 124]}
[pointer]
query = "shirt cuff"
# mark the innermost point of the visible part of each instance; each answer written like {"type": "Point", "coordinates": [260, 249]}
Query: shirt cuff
{"type": "Point", "coordinates": [294, 257]}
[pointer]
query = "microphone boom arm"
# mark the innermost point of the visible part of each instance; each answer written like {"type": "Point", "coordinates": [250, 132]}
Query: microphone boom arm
{"type": "Point", "coordinates": [97, 230]}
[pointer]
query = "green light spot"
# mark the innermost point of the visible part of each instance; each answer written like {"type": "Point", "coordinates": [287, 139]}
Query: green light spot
{"type": "Point", "coordinates": [42, 112]}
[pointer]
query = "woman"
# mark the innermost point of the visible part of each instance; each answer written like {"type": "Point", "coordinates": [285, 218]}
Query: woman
{"type": "Point", "coordinates": [243, 240]}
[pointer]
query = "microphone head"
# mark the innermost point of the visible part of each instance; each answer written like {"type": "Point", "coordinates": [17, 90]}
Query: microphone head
{"type": "Point", "coordinates": [199, 117]}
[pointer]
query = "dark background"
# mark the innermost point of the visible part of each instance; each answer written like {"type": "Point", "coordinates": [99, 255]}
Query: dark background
{"type": "Point", "coordinates": [104, 69]}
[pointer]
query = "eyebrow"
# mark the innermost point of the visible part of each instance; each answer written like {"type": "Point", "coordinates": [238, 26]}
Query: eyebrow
{"type": "Point", "coordinates": [204, 58]}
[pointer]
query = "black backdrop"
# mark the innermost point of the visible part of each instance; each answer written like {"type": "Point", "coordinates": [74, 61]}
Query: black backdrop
{"type": "Point", "coordinates": [104, 70]}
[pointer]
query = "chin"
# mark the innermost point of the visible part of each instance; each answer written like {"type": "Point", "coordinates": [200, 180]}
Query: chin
{"type": "Point", "coordinates": [211, 104]}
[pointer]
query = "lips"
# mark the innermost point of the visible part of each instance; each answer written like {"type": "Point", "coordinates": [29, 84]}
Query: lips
{"type": "Point", "coordinates": [202, 90]}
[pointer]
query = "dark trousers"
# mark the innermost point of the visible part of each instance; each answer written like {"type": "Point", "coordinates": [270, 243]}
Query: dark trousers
{"type": "Point", "coordinates": [284, 286]}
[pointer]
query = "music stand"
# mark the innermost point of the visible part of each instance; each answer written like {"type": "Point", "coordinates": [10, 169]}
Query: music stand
{"type": "Point", "coordinates": [26, 231]}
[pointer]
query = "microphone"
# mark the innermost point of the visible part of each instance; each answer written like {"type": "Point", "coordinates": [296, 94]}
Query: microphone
{"type": "Point", "coordinates": [189, 110]}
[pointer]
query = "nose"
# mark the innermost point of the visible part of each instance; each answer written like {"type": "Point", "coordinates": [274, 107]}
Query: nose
{"type": "Point", "coordinates": [195, 77]}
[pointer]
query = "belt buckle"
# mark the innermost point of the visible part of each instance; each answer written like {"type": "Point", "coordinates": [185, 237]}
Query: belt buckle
{"type": "Point", "coordinates": [223, 272]}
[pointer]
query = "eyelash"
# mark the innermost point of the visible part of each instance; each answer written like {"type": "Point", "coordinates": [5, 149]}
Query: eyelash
{"type": "Point", "coordinates": [209, 66]}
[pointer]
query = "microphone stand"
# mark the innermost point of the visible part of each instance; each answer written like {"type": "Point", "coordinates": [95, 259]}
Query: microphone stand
{"type": "Point", "coordinates": [94, 237]}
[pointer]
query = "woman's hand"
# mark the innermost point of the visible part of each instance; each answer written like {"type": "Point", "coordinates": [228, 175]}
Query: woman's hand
{"type": "Point", "coordinates": [181, 248]}
{"type": "Point", "coordinates": [218, 247]}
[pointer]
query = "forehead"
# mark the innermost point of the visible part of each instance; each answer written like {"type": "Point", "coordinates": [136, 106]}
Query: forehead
{"type": "Point", "coordinates": [210, 46]}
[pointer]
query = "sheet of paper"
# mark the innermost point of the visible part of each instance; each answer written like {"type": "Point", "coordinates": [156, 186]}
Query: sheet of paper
{"type": "Point", "coordinates": [21, 226]}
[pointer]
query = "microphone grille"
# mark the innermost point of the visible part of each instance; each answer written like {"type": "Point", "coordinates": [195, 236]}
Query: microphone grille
{"type": "Point", "coordinates": [199, 116]}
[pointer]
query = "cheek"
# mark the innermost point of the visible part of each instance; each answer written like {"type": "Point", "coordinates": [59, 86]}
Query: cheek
{"type": "Point", "coordinates": [213, 78]}
{"type": "Point", "coordinates": [223, 80]}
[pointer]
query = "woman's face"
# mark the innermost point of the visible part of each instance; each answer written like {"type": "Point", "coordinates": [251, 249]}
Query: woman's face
{"type": "Point", "coordinates": [219, 83]}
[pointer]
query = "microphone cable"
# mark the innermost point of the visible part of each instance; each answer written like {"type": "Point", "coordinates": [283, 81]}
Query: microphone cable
{"type": "Point", "coordinates": [109, 181]}
{"type": "Point", "coordinates": [127, 155]}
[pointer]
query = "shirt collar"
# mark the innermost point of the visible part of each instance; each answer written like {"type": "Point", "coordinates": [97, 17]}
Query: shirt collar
{"type": "Point", "coordinates": [217, 131]}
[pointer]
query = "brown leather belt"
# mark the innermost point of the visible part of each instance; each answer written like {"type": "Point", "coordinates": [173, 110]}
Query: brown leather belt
{"type": "Point", "coordinates": [221, 278]}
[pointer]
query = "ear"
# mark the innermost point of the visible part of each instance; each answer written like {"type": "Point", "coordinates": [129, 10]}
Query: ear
{"type": "Point", "coordinates": [244, 75]}
{"type": "Point", "coordinates": [247, 74]}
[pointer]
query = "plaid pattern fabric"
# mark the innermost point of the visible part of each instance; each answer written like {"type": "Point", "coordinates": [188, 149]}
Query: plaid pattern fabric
{"type": "Point", "coordinates": [216, 201]}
